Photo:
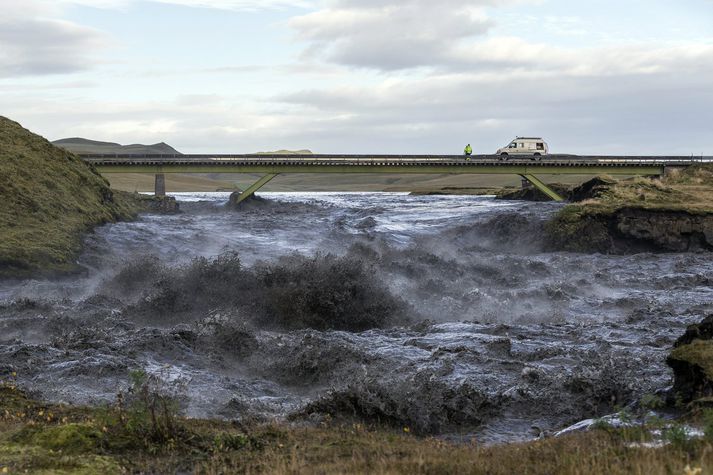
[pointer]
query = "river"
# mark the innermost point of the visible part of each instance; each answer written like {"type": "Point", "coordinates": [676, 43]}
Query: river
{"type": "Point", "coordinates": [483, 334]}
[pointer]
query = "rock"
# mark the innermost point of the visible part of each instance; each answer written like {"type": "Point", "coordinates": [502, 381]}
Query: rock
{"type": "Point", "coordinates": [250, 201]}
{"type": "Point", "coordinates": [630, 230]}
{"type": "Point", "coordinates": [692, 362]}
{"type": "Point", "coordinates": [533, 194]}
{"type": "Point", "coordinates": [676, 231]}
{"type": "Point", "coordinates": [591, 189]}
{"type": "Point", "coordinates": [700, 331]}
{"type": "Point", "coordinates": [162, 205]}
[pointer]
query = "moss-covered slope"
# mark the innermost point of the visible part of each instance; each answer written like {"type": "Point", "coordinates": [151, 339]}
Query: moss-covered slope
{"type": "Point", "coordinates": [48, 198]}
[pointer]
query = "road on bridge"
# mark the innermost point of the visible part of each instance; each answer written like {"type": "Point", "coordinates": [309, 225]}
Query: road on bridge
{"type": "Point", "coordinates": [272, 165]}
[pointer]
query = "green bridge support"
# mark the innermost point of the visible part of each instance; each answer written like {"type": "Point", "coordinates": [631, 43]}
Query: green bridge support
{"type": "Point", "coordinates": [543, 187]}
{"type": "Point", "coordinates": [256, 186]}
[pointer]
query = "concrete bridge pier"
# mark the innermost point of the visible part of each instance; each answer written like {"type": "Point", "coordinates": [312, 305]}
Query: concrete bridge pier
{"type": "Point", "coordinates": [160, 185]}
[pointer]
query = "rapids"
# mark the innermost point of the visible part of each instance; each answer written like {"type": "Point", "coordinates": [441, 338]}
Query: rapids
{"type": "Point", "coordinates": [437, 313]}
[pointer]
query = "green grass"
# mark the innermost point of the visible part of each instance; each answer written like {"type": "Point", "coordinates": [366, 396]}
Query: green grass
{"type": "Point", "coordinates": [42, 438]}
{"type": "Point", "coordinates": [699, 353]}
{"type": "Point", "coordinates": [48, 199]}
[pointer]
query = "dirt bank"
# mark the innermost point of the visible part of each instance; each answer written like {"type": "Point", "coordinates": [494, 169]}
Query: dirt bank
{"type": "Point", "coordinates": [673, 214]}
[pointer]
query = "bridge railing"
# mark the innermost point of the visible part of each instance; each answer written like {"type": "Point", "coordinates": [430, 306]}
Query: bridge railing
{"type": "Point", "coordinates": [405, 160]}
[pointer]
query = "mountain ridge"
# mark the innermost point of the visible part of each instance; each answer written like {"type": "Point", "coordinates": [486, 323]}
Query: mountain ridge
{"type": "Point", "coordinates": [82, 145]}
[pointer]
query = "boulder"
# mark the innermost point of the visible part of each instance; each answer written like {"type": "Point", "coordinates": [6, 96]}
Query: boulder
{"type": "Point", "coordinates": [249, 202]}
{"type": "Point", "coordinates": [591, 189]}
{"type": "Point", "coordinates": [692, 362]}
{"type": "Point", "coordinates": [162, 205]}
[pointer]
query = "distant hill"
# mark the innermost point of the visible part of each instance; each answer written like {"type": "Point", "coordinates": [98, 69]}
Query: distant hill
{"type": "Point", "coordinates": [80, 145]}
{"type": "Point", "coordinates": [287, 152]}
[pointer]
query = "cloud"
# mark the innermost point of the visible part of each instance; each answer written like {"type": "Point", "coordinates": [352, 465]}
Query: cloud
{"type": "Point", "coordinates": [456, 35]}
{"type": "Point", "coordinates": [34, 41]}
{"type": "Point", "coordinates": [32, 44]}
{"type": "Point", "coordinates": [501, 55]}
{"type": "Point", "coordinates": [235, 5]}
{"type": "Point", "coordinates": [356, 91]}
{"type": "Point", "coordinates": [654, 113]}
{"type": "Point", "coordinates": [614, 100]}
{"type": "Point", "coordinates": [389, 35]}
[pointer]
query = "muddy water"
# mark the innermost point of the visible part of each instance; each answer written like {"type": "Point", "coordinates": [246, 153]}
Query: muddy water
{"type": "Point", "coordinates": [479, 332]}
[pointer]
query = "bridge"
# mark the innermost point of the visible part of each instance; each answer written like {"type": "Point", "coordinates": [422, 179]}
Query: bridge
{"type": "Point", "coordinates": [272, 165]}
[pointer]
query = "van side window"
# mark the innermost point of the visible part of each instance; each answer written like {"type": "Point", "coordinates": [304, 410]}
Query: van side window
{"type": "Point", "coordinates": [522, 145]}
{"type": "Point", "coordinates": [540, 146]}
{"type": "Point", "coordinates": [512, 145]}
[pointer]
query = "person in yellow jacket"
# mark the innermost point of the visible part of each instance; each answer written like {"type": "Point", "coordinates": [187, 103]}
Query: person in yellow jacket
{"type": "Point", "coordinates": [468, 152]}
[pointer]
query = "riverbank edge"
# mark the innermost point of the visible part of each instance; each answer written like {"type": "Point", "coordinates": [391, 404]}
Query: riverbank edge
{"type": "Point", "coordinates": [37, 264]}
{"type": "Point", "coordinates": [49, 200]}
{"type": "Point", "coordinates": [668, 214]}
{"type": "Point", "coordinates": [629, 229]}
{"type": "Point", "coordinates": [39, 437]}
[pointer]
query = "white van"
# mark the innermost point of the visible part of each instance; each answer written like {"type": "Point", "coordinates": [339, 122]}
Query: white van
{"type": "Point", "coordinates": [534, 146]}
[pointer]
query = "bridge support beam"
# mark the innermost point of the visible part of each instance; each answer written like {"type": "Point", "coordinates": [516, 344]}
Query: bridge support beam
{"type": "Point", "coordinates": [255, 186]}
{"type": "Point", "coordinates": [160, 185]}
{"type": "Point", "coordinates": [543, 187]}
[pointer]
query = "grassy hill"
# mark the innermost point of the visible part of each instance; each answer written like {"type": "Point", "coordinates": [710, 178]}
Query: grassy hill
{"type": "Point", "coordinates": [80, 145]}
{"type": "Point", "coordinates": [48, 198]}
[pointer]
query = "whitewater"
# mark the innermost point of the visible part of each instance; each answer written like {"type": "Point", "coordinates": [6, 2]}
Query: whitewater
{"type": "Point", "coordinates": [443, 314]}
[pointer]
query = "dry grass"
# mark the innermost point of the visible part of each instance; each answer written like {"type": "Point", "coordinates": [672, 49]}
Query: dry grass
{"type": "Point", "coordinates": [689, 190]}
{"type": "Point", "coordinates": [36, 437]}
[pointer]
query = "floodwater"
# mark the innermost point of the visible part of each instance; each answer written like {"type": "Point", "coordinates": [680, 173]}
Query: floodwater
{"type": "Point", "coordinates": [437, 313]}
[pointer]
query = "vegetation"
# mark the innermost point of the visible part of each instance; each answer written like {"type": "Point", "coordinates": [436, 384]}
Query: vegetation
{"type": "Point", "coordinates": [49, 198]}
{"type": "Point", "coordinates": [689, 190]}
{"type": "Point", "coordinates": [141, 432]}
{"type": "Point", "coordinates": [699, 353]}
{"type": "Point", "coordinates": [683, 199]}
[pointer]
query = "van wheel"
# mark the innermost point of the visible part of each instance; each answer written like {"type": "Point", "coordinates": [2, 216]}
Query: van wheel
{"type": "Point", "coordinates": [537, 157]}
{"type": "Point", "coordinates": [503, 156]}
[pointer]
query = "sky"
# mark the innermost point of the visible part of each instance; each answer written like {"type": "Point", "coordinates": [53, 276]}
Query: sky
{"type": "Point", "coordinates": [363, 76]}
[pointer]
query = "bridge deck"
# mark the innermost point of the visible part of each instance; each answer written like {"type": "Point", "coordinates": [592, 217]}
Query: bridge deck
{"type": "Point", "coordinates": [380, 160]}
{"type": "Point", "coordinates": [485, 164]}
{"type": "Point", "coordinates": [272, 165]}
